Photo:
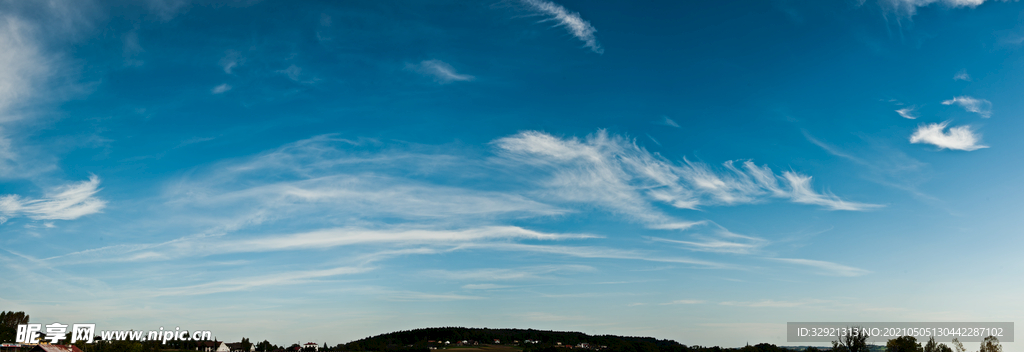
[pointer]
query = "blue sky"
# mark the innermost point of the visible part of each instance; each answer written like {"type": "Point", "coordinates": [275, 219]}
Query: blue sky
{"type": "Point", "coordinates": [698, 171]}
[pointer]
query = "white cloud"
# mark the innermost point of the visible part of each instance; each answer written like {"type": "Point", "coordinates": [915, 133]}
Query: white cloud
{"type": "Point", "coordinates": [962, 76]}
{"type": "Point", "coordinates": [343, 236]}
{"type": "Point", "coordinates": [292, 72]}
{"type": "Point", "coordinates": [825, 268]}
{"type": "Point", "coordinates": [131, 49]}
{"type": "Point", "coordinates": [767, 303]}
{"type": "Point", "coordinates": [716, 245]}
{"type": "Point", "coordinates": [332, 179]}
{"type": "Point", "coordinates": [364, 196]}
{"type": "Point", "coordinates": [440, 71]}
{"type": "Point", "coordinates": [801, 192]}
{"type": "Point", "coordinates": [420, 296]}
{"type": "Point", "coordinates": [909, 7]}
{"type": "Point", "coordinates": [684, 301]}
{"type": "Point", "coordinates": [168, 9]}
{"type": "Point", "coordinates": [595, 252]}
{"type": "Point", "coordinates": [483, 287]}
{"type": "Point", "coordinates": [247, 283]}
{"type": "Point", "coordinates": [572, 22]}
{"type": "Point", "coordinates": [66, 202]}
{"type": "Point", "coordinates": [25, 67]}
{"type": "Point", "coordinates": [958, 138]}
{"type": "Point", "coordinates": [907, 113]}
{"type": "Point", "coordinates": [667, 122]}
{"type": "Point", "coordinates": [203, 245]}
{"type": "Point", "coordinates": [719, 240]}
{"type": "Point", "coordinates": [506, 274]}
{"type": "Point", "coordinates": [615, 173]}
{"type": "Point", "coordinates": [978, 106]}
{"type": "Point", "coordinates": [231, 60]}
{"type": "Point", "coordinates": [221, 88]}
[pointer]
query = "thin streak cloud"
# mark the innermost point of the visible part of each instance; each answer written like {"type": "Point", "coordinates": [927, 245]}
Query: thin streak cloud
{"type": "Point", "coordinates": [981, 107]}
{"type": "Point", "coordinates": [200, 246]}
{"type": "Point", "coordinates": [67, 202]}
{"type": "Point", "coordinates": [907, 113]}
{"type": "Point", "coordinates": [221, 89]}
{"type": "Point", "coordinates": [824, 267]}
{"type": "Point", "coordinates": [909, 8]}
{"type": "Point", "coordinates": [576, 25]}
{"type": "Point", "coordinates": [440, 71]}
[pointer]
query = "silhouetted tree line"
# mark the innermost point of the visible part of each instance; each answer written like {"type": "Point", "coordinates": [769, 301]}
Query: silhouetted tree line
{"type": "Point", "coordinates": [910, 344]}
{"type": "Point", "coordinates": [417, 341]}
{"type": "Point", "coordinates": [9, 324]}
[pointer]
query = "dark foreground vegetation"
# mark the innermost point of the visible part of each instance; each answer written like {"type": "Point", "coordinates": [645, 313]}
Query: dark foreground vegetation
{"type": "Point", "coordinates": [459, 339]}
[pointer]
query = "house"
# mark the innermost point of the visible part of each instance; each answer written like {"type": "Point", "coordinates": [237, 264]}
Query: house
{"type": "Point", "coordinates": [237, 347]}
{"type": "Point", "coordinates": [311, 346]}
{"type": "Point", "coordinates": [497, 342]}
{"type": "Point", "coordinates": [55, 348]}
{"type": "Point", "coordinates": [212, 346]}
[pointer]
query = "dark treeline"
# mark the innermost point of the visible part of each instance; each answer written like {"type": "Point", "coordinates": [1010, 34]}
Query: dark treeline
{"type": "Point", "coordinates": [9, 324]}
{"type": "Point", "coordinates": [418, 340]}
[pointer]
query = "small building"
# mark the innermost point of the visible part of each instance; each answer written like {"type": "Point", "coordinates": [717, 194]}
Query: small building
{"type": "Point", "coordinates": [238, 347]}
{"type": "Point", "coordinates": [311, 346]}
{"type": "Point", "coordinates": [10, 347]}
{"type": "Point", "coordinates": [212, 346]}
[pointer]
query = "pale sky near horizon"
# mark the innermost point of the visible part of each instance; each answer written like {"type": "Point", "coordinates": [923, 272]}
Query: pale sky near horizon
{"type": "Point", "coordinates": [702, 171]}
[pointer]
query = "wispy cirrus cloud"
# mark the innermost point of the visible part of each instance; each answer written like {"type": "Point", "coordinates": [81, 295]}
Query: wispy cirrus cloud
{"type": "Point", "coordinates": [231, 60]}
{"type": "Point", "coordinates": [205, 245]}
{"type": "Point", "coordinates": [768, 303]}
{"type": "Point", "coordinates": [907, 113]}
{"type": "Point", "coordinates": [957, 138]}
{"type": "Point", "coordinates": [254, 282]}
{"type": "Point", "coordinates": [25, 66]}
{"type": "Point", "coordinates": [962, 76]}
{"type": "Point", "coordinates": [221, 88]}
{"type": "Point", "coordinates": [909, 8]}
{"type": "Point", "coordinates": [824, 267]}
{"type": "Point", "coordinates": [616, 173]}
{"type": "Point", "coordinates": [595, 252]}
{"type": "Point", "coordinates": [667, 122]}
{"type": "Point", "coordinates": [67, 202]}
{"type": "Point", "coordinates": [718, 240]}
{"type": "Point", "coordinates": [506, 274]}
{"type": "Point", "coordinates": [576, 25]}
{"type": "Point", "coordinates": [440, 71]}
{"type": "Point", "coordinates": [981, 107]}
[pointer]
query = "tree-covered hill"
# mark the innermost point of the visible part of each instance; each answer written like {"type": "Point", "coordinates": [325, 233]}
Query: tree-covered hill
{"type": "Point", "coordinates": [541, 341]}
